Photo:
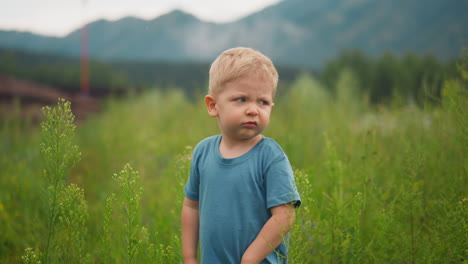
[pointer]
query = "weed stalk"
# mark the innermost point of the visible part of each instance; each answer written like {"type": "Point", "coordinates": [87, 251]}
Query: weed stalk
{"type": "Point", "coordinates": [60, 154]}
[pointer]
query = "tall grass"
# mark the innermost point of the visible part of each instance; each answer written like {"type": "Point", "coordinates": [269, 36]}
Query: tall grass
{"type": "Point", "coordinates": [382, 184]}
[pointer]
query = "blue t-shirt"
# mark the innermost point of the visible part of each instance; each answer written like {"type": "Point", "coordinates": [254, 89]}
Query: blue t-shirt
{"type": "Point", "coordinates": [235, 196]}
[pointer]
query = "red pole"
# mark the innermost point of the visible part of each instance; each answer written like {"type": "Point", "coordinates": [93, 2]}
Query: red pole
{"type": "Point", "coordinates": [84, 85]}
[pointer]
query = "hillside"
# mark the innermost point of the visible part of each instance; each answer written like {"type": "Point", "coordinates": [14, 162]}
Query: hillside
{"type": "Point", "coordinates": [293, 32]}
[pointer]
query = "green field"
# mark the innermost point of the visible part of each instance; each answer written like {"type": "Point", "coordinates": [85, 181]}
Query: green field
{"type": "Point", "coordinates": [379, 183]}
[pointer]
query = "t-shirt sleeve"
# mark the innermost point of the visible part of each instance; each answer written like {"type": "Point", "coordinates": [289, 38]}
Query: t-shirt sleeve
{"type": "Point", "coordinates": [280, 185]}
{"type": "Point", "coordinates": [192, 186]}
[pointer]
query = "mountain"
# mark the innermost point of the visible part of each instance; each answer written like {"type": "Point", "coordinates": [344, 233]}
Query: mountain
{"type": "Point", "coordinates": [293, 32]}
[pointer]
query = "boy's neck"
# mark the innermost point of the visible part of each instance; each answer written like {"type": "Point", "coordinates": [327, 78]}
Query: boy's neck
{"type": "Point", "coordinates": [232, 149]}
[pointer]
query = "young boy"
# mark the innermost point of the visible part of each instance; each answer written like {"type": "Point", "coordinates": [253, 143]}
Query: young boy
{"type": "Point", "coordinates": [241, 195]}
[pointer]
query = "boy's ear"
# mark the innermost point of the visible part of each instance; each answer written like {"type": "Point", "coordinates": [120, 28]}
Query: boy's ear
{"type": "Point", "coordinates": [211, 105]}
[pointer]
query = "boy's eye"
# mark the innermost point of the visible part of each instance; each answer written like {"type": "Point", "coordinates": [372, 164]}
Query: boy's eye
{"type": "Point", "coordinates": [263, 102]}
{"type": "Point", "coordinates": [240, 99]}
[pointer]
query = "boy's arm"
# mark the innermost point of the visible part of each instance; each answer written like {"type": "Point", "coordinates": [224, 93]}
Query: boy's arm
{"type": "Point", "coordinates": [190, 227]}
{"type": "Point", "coordinates": [271, 235]}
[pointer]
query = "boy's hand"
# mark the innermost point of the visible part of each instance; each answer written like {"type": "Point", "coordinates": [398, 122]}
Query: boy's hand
{"type": "Point", "coordinates": [248, 262]}
{"type": "Point", "coordinates": [190, 261]}
{"type": "Point", "coordinates": [271, 234]}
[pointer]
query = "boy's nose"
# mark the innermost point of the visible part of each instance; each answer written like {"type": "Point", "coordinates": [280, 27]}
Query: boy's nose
{"type": "Point", "coordinates": [252, 109]}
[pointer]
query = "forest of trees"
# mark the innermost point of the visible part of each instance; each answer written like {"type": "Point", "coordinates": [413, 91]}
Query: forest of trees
{"type": "Point", "coordinates": [113, 76]}
{"type": "Point", "coordinates": [409, 78]}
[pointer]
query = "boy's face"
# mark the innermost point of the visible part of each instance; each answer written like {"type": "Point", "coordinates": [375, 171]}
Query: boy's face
{"type": "Point", "coordinates": [243, 107]}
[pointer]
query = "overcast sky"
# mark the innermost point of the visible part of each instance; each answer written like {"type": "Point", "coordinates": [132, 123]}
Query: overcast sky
{"type": "Point", "coordinates": [59, 17]}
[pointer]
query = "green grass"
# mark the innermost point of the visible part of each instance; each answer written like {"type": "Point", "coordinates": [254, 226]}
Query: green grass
{"type": "Point", "coordinates": [383, 184]}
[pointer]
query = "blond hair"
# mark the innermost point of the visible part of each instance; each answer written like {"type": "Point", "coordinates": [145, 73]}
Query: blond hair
{"type": "Point", "coordinates": [240, 62]}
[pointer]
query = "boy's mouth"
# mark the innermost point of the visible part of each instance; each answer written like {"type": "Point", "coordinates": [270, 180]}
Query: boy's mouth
{"type": "Point", "coordinates": [250, 124]}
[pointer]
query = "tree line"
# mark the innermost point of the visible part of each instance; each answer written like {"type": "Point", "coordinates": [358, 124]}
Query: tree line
{"type": "Point", "coordinates": [410, 78]}
{"type": "Point", "coordinates": [112, 77]}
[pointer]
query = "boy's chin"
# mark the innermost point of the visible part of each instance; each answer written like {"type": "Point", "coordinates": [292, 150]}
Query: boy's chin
{"type": "Point", "coordinates": [251, 137]}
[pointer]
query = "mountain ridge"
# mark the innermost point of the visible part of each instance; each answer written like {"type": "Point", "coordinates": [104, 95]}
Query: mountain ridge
{"type": "Point", "coordinates": [292, 32]}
